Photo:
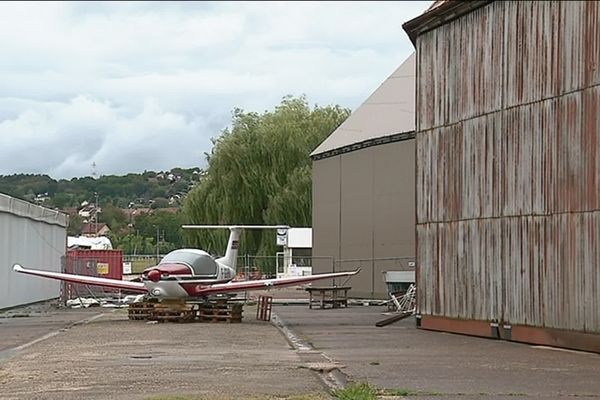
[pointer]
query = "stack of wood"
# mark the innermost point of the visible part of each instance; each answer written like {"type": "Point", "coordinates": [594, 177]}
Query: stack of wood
{"type": "Point", "coordinates": [182, 311]}
{"type": "Point", "coordinates": [141, 311]}
{"type": "Point", "coordinates": [220, 311]}
{"type": "Point", "coordinates": [173, 311]}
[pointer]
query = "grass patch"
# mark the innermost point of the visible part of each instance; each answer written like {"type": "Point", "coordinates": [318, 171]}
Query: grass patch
{"type": "Point", "coordinates": [358, 391]}
{"type": "Point", "coordinates": [208, 397]}
{"type": "Point", "coordinates": [364, 391]}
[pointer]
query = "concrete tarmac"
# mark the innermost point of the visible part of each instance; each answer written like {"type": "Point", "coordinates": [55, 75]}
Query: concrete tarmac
{"type": "Point", "coordinates": [100, 354]}
{"type": "Point", "coordinates": [24, 325]}
{"type": "Point", "coordinates": [110, 357]}
{"type": "Point", "coordinates": [440, 365]}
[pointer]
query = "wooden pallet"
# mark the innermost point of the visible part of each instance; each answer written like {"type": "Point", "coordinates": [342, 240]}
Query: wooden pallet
{"type": "Point", "coordinates": [182, 311]}
{"type": "Point", "coordinates": [173, 316]}
{"type": "Point", "coordinates": [140, 311]}
{"type": "Point", "coordinates": [173, 311]}
{"type": "Point", "coordinates": [220, 311]}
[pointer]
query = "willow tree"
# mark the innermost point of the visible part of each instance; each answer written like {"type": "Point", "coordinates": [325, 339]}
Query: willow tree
{"type": "Point", "coordinates": [259, 172]}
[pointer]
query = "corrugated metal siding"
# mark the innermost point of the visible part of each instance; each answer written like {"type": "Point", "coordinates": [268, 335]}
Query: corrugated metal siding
{"type": "Point", "coordinates": [537, 159]}
{"type": "Point", "coordinates": [33, 243]}
{"type": "Point", "coordinates": [508, 165]}
{"type": "Point", "coordinates": [456, 75]}
{"type": "Point", "coordinates": [503, 55]}
{"type": "Point", "coordinates": [536, 270]}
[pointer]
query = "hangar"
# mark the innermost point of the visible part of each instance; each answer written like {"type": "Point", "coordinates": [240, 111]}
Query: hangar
{"type": "Point", "coordinates": [508, 170]}
{"type": "Point", "coordinates": [34, 236]}
{"type": "Point", "coordinates": [363, 188]}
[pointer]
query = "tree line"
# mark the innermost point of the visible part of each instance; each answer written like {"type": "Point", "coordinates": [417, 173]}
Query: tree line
{"type": "Point", "coordinates": [146, 188]}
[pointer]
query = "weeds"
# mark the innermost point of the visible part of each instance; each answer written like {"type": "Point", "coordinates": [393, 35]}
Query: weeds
{"type": "Point", "coordinates": [358, 391]}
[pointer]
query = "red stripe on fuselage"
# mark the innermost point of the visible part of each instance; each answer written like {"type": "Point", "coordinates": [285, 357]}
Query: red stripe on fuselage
{"type": "Point", "coordinates": [172, 269]}
{"type": "Point", "coordinates": [194, 288]}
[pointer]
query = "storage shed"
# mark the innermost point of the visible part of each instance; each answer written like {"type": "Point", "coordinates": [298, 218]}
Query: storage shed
{"type": "Point", "coordinates": [33, 236]}
{"type": "Point", "coordinates": [363, 188]}
{"type": "Point", "coordinates": [508, 170]}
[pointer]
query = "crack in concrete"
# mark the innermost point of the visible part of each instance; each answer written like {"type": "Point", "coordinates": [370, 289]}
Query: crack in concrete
{"type": "Point", "coordinates": [328, 371]}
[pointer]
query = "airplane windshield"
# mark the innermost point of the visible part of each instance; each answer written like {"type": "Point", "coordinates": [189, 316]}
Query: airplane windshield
{"type": "Point", "coordinates": [202, 263]}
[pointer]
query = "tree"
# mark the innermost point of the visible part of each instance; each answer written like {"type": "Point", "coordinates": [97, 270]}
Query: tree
{"type": "Point", "coordinates": [160, 202]}
{"type": "Point", "coordinates": [75, 223]}
{"type": "Point", "coordinates": [61, 200]}
{"type": "Point", "coordinates": [114, 217]}
{"type": "Point", "coordinates": [259, 171]}
{"type": "Point", "coordinates": [168, 225]}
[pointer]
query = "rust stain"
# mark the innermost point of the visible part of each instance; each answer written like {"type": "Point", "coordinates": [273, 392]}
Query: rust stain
{"type": "Point", "coordinates": [516, 333]}
{"type": "Point", "coordinates": [508, 166]}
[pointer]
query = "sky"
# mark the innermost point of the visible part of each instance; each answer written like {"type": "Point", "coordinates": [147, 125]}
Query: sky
{"type": "Point", "coordinates": [134, 86]}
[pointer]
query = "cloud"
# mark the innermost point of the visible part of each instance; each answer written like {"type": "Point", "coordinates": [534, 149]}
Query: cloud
{"type": "Point", "coordinates": [134, 85]}
{"type": "Point", "coordinates": [65, 139]}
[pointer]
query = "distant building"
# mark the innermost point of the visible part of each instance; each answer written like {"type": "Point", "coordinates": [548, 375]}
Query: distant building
{"type": "Point", "coordinates": [296, 258]}
{"type": "Point", "coordinates": [88, 211]}
{"type": "Point", "coordinates": [92, 229]}
{"type": "Point", "coordinates": [92, 243]}
{"type": "Point", "coordinates": [363, 188]}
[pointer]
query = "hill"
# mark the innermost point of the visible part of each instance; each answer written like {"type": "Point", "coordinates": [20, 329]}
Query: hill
{"type": "Point", "coordinates": [150, 189]}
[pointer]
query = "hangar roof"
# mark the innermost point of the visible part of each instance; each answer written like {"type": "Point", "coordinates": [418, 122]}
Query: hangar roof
{"type": "Point", "coordinates": [389, 110]}
{"type": "Point", "coordinates": [24, 209]}
{"type": "Point", "coordinates": [439, 13]}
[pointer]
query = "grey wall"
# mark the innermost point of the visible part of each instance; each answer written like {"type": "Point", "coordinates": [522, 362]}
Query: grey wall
{"type": "Point", "coordinates": [32, 236]}
{"type": "Point", "coordinates": [364, 209]}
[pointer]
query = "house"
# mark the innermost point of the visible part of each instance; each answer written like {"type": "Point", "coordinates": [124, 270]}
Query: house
{"type": "Point", "coordinates": [92, 229]}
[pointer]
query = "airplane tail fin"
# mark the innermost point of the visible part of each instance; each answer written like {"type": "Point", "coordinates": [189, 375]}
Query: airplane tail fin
{"type": "Point", "coordinates": [230, 257]}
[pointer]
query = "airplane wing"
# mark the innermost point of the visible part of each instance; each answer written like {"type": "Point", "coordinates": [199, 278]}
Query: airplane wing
{"type": "Point", "coordinates": [86, 280]}
{"type": "Point", "coordinates": [266, 283]}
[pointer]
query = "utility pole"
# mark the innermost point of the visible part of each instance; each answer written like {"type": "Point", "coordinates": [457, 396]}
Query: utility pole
{"type": "Point", "coordinates": [96, 215]}
{"type": "Point", "coordinates": [157, 243]}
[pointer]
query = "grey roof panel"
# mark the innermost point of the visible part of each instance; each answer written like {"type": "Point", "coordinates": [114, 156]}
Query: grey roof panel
{"type": "Point", "coordinates": [21, 208]}
{"type": "Point", "coordinates": [387, 111]}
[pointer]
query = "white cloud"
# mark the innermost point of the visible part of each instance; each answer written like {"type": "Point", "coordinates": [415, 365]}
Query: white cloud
{"type": "Point", "coordinates": [134, 86]}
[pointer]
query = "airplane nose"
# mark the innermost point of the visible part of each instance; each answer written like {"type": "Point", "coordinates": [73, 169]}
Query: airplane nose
{"type": "Point", "coordinates": [154, 275]}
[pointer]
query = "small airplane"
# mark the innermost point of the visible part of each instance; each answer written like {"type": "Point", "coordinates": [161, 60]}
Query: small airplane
{"type": "Point", "coordinates": [191, 273]}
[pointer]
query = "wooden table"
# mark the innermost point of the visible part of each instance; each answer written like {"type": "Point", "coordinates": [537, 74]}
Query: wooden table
{"type": "Point", "coordinates": [336, 296]}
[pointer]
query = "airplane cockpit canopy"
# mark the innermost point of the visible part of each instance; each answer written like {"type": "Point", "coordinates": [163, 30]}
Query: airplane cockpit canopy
{"type": "Point", "coordinates": [201, 262]}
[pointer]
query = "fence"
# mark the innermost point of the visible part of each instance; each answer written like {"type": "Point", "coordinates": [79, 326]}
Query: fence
{"type": "Point", "coordinates": [140, 262]}
{"type": "Point", "coordinates": [370, 283]}
{"type": "Point", "coordinates": [256, 267]}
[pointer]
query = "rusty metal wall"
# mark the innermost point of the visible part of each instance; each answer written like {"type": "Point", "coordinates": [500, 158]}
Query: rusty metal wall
{"type": "Point", "coordinates": [508, 166]}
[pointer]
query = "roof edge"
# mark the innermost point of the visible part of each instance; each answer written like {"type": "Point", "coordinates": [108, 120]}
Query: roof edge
{"type": "Point", "coordinates": [21, 208]}
{"type": "Point", "coordinates": [396, 137]}
{"type": "Point", "coordinates": [444, 13]}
